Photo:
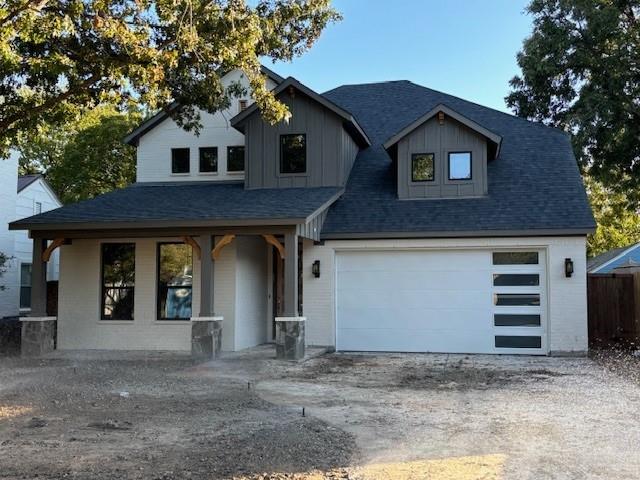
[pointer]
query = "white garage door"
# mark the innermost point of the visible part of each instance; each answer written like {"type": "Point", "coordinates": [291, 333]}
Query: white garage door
{"type": "Point", "coordinates": [472, 301]}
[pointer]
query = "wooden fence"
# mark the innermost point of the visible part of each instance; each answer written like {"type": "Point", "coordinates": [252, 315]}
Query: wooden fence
{"type": "Point", "coordinates": [614, 309]}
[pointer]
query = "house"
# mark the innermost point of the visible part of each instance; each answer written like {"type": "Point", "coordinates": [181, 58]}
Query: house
{"type": "Point", "coordinates": [381, 217]}
{"type": "Point", "coordinates": [21, 196]}
{"type": "Point", "coordinates": [618, 260]}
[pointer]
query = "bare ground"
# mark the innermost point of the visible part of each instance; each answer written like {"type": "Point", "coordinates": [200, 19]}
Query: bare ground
{"type": "Point", "coordinates": [366, 417]}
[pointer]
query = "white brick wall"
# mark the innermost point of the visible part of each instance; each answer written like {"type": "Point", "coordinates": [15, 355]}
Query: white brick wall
{"type": "Point", "coordinates": [239, 289]}
{"type": "Point", "coordinates": [567, 301]}
{"type": "Point", "coordinates": [154, 149]}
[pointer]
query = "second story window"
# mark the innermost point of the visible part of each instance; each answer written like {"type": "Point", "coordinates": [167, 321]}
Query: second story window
{"type": "Point", "coordinates": [208, 159]}
{"type": "Point", "coordinates": [243, 105]}
{"type": "Point", "coordinates": [235, 159]}
{"type": "Point", "coordinates": [460, 166]}
{"type": "Point", "coordinates": [293, 153]}
{"type": "Point", "coordinates": [422, 169]}
{"type": "Point", "coordinates": [37, 208]}
{"type": "Point", "coordinates": [179, 160]}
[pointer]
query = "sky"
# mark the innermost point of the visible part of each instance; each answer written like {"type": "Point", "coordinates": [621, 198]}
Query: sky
{"type": "Point", "coordinates": [465, 48]}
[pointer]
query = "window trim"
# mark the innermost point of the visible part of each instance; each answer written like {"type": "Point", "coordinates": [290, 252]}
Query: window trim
{"type": "Point", "coordinates": [188, 172]}
{"type": "Point", "coordinates": [433, 159]}
{"type": "Point", "coordinates": [212, 172]}
{"type": "Point", "coordinates": [159, 318]}
{"type": "Point", "coordinates": [449, 166]}
{"type": "Point", "coordinates": [101, 318]}
{"type": "Point", "coordinates": [306, 164]}
{"type": "Point", "coordinates": [236, 172]}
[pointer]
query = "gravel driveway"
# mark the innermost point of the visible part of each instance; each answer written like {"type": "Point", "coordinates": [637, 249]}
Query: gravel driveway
{"type": "Point", "coordinates": [366, 416]}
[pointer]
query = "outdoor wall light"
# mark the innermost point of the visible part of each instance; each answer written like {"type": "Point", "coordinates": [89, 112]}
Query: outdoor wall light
{"type": "Point", "coordinates": [568, 267]}
{"type": "Point", "coordinates": [315, 269]}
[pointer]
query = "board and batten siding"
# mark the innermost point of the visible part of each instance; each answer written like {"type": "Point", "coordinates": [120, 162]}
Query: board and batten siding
{"type": "Point", "coordinates": [431, 137]}
{"type": "Point", "coordinates": [330, 150]}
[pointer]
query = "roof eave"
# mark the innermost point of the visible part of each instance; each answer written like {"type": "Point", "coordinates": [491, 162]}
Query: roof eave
{"type": "Point", "coordinates": [562, 232]}
{"type": "Point", "coordinates": [152, 224]}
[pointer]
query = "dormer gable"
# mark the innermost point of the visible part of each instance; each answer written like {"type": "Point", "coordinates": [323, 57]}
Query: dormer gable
{"type": "Point", "coordinates": [316, 147]}
{"type": "Point", "coordinates": [443, 154]}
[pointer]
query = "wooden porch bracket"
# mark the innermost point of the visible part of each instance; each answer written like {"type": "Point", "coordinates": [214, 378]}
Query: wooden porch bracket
{"type": "Point", "coordinates": [224, 241]}
{"type": "Point", "coordinates": [46, 255]}
{"type": "Point", "coordinates": [194, 245]}
{"type": "Point", "coordinates": [272, 240]}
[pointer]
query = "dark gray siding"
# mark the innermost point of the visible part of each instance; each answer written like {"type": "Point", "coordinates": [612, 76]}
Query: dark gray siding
{"type": "Point", "coordinates": [330, 150]}
{"type": "Point", "coordinates": [438, 139]}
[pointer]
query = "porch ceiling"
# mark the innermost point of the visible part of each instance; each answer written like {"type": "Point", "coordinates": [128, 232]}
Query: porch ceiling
{"type": "Point", "coordinates": [197, 206]}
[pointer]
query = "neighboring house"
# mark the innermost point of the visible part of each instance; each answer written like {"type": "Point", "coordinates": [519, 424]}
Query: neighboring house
{"type": "Point", "coordinates": [21, 196]}
{"type": "Point", "coordinates": [618, 260]}
{"type": "Point", "coordinates": [391, 216]}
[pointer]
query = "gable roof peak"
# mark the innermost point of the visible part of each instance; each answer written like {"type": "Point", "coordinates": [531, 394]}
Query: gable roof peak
{"type": "Point", "coordinates": [350, 123]}
{"type": "Point", "coordinates": [450, 112]}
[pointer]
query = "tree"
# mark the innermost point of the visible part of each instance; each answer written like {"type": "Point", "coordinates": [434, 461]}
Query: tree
{"type": "Point", "coordinates": [581, 73]}
{"type": "Point", "coordinates": [84, 157]}
{"type": "Point", "coordinates": [59, 55]}
{"type": "Point", "coordinates": [617, 225]}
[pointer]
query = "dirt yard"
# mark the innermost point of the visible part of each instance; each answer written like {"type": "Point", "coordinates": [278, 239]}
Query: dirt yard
{"type": "Point", "coordinates": [365, 417]}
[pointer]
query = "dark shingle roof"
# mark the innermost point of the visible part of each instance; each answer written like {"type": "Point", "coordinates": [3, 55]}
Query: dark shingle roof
{"type": "Point", "coordinates": [534, 184]}
{"type": "Point", "coordinates": [25, 180]}
{"type": "Point", "coordinates": [179, 203]}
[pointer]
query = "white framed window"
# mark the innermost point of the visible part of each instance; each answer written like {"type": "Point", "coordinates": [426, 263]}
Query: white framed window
{"type": "Point", "coordinates": [37, 208]}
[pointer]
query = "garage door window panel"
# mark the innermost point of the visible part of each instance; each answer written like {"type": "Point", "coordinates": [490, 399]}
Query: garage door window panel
{"type": "Point", "coordinates": [516, 258]}
{"type": "Point", "coordinates": [517, 299]}
{"type": "Point", "coordinates": [516, 320]}
{"type": "Point", "coordinates": [518, 341]}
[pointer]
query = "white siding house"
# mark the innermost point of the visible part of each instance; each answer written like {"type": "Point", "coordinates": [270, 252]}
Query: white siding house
{"type": "Point", "coordinates": [21, 197]}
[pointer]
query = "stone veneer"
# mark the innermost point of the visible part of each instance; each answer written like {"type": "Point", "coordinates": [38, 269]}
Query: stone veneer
{"type": "Point", "coordinates": [206, 338]}
{"type": "Point", "coordinates": [290, 341]}
{"type": "Point", "coordinates": [38, 336]}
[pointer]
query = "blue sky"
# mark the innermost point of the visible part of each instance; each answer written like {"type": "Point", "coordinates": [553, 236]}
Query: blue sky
{"type": "Point", "coordinates": [463, 47]}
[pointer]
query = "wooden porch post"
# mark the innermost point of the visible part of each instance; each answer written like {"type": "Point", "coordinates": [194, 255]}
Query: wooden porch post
{"type": "Point", "coordinates": [38, 279]}
{"type": "Point", "coordinates": [291, 275]}
{"type": "Point", "coordinates": [206, 276]}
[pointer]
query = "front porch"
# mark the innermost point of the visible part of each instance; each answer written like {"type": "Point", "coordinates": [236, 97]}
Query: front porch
{"type": "Point", "coordinates": [238, 288]}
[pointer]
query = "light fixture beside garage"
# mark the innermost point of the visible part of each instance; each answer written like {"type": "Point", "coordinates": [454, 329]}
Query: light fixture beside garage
{"type": "Point", "coordinates": [568, 267]}
{"type": "Point", "coordinates": [315, 268]}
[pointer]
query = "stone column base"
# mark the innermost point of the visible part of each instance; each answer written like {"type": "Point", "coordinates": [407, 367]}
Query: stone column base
{"type": "Point", "coordinates": [38, 336]}
{"type": "Point", "coordinates": [290, 342]}
{"type": "Point", "coordinates": [206, 338]}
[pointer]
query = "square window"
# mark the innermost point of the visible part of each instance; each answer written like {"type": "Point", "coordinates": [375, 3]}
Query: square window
{"type": "Point", "coordinates": [293, 153]}
{"type": "Point", "coordinates": [460, 166]}
{"type": "Point", "coordinates": [235, 159]}
{"type": "Point", "coordinates": [422, 167]}
{"type": "Point", "coordinates": [208, 159]}
{"type": "Point", "coordinates": [179, 160]}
